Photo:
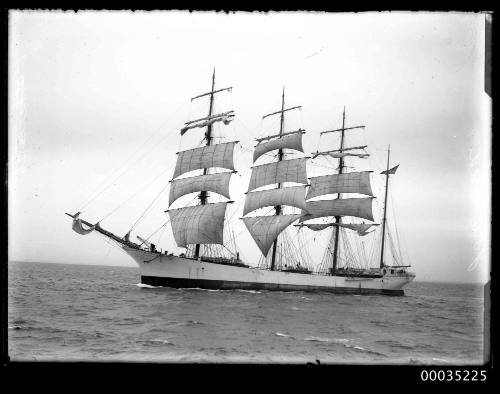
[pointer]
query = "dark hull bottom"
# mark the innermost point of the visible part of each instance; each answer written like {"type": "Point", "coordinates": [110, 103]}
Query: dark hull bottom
{"type": "Point", "coordinates": [233, 285]}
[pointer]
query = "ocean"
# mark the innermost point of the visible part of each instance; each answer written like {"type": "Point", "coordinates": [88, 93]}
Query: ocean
{"type": "Point", "coordinates": [67, 312]}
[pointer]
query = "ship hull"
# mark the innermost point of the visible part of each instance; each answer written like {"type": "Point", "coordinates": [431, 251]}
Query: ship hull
{"type": "Point", "coordinates": [181, 272]}
{"type": "Point", "coordinates": [235, 285]}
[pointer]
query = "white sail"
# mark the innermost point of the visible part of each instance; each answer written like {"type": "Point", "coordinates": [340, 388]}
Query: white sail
{"type": "Point", "coordinates": [292, 196]}
{"type": "Point", "coordinates": [358, 207]}
{"type": "Point", "coordinates": [219, 155]}
{"type": "Point", "coordinates": [352, 182]}
{"type": "Point", "coordinates": [200, 224]}
{"type": "Point", "coordinates": [265, 229]}
{"type": "Point", "coordinates": [278, 172]}
{"type": "Point", "coordinates": [78, 227]}
{"type": "Point", "coordinates": [290, 141]}
{"type": "Point", "coordinates": [217, 183]}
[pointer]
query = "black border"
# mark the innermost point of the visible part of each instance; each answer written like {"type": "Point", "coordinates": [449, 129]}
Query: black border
{"type": "Point", "coordinates": [220, 376]}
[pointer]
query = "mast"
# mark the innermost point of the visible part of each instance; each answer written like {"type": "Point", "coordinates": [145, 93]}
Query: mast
{"type": "Point", "coordinates": [280, 158]}
{"type": "Point", "coordinates": [338, 218]}
{"type": "Point", "coordinates": [265, 229]}
{"type": "Point", "coordinates": [385, 208]}
{"type": "Point", "coordinates": [208, 136]}
{"type": "Point", "coordinates": [203, 223]}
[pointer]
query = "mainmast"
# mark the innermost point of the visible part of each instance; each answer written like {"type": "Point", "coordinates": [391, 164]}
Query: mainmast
{"type": "Point", "coordinates": [385, 207]}
{"type": "Point", "coordinates": [280, 158]}
{"type": "Point", "coordinates": [266, 229]}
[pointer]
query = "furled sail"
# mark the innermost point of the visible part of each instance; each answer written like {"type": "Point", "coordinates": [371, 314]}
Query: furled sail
{"type": "Point", "coordinates": [228, 113]}
{"type": "Point", "coordinates": [358, 207]}
{"type": "Point", "coordinates": [282, 171]}
{"type": "Point", "coordinates": [352, 182]}
{"type": "Point", "coordinates": [225, 118]}
{"type": "Point", "coordinates": [316, 227]}
{"type": "Point", "coordinates": [219, 155]}
{"type": "Point", "coordinates": [78, 227]}
{"type": "Point", "coordinates": [359, 227]}
{"type": "Point", "coordinates": [265, 229]}
{"type": "Point", "coordinates": [338, 155]}
{"type": "Point", "coordinates": [292, 196]}
{"type": "Point", "coordinates": [217, 183]}
{"type": "Point", "coordinates": [200, 224]}
{"type": "Point", "coordinates": [290, 141]}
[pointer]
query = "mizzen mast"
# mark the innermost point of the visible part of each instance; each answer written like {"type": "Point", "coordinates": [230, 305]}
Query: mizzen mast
{"type": "Point", "coordinates": [386, 173]}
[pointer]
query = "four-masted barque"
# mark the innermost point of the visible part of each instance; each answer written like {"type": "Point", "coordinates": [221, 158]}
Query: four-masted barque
{"type": "Point", "coordinates": [281, 185]}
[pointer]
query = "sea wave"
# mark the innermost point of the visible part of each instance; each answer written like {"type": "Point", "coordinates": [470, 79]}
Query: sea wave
{"type": "Point", "coordinates": [145, 286]}
{"type": "Point", "coordinates": [280, 334]}
{"type": "Point", "coordinates": [160, 341]}
{"type": "Point", "coordinates": [331, 340]}
{"type": "Point", "coordinates": [363, 350]}
{"type": "Point", "coordinates": [54, 314]}
{"type": "Point", "coordinates": [395, 344]}
{"type": "Point", "coordinates": [441, 360]}
{"type": "Point", "coordinates": [185, 323]}
{"type": "Point", "coordinates": [200, 289]}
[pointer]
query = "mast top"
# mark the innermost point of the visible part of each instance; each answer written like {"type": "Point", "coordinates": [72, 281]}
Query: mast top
{"type": "Point", "coordinates": [212, 91]}
{"type": "Point", "coordinates": [281, 111]}
{"type": "Point", "coordinates": [343, 128]}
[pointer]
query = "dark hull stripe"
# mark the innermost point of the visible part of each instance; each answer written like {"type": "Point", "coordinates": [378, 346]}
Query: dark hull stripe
{"type": "Point", "coordinates": [232, 285]}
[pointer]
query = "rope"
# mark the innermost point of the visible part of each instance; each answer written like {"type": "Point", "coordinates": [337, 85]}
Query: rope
{"type": "Point", "coordinates": [128, 163]}
{"type": "Point", "coordinates": [139, 191]}
{"type": "Point", "coordinates": [399, 243]}
{"type": "Point", "coordinates": [158, 229]}
{"type": "Point", "coordinates": [149, 207]}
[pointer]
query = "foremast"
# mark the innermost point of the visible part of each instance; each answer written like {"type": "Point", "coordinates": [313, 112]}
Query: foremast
{"type": "Point", "coordinates": [280, 158]}
{"type": "Point", "coordinates": [208, 136]}
{"type": "Point", "coordinates": [266, 229]}
{"type": "Point", "coordinates": [202, 224]}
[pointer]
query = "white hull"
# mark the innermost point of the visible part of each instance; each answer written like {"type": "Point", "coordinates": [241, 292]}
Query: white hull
{"type": "Point", "coordinates": [174, 271]}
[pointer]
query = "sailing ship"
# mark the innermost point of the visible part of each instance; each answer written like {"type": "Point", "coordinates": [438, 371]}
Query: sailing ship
{"type": "Point", "coordinates": [211, 261]}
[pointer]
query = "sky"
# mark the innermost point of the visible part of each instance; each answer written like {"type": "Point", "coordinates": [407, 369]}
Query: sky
{"type": "Point", "coordinates": [97, 99]}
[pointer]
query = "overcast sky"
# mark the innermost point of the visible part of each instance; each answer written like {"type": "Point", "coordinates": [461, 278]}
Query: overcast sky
{"type": "Point", "coordinates": [93, 95]}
